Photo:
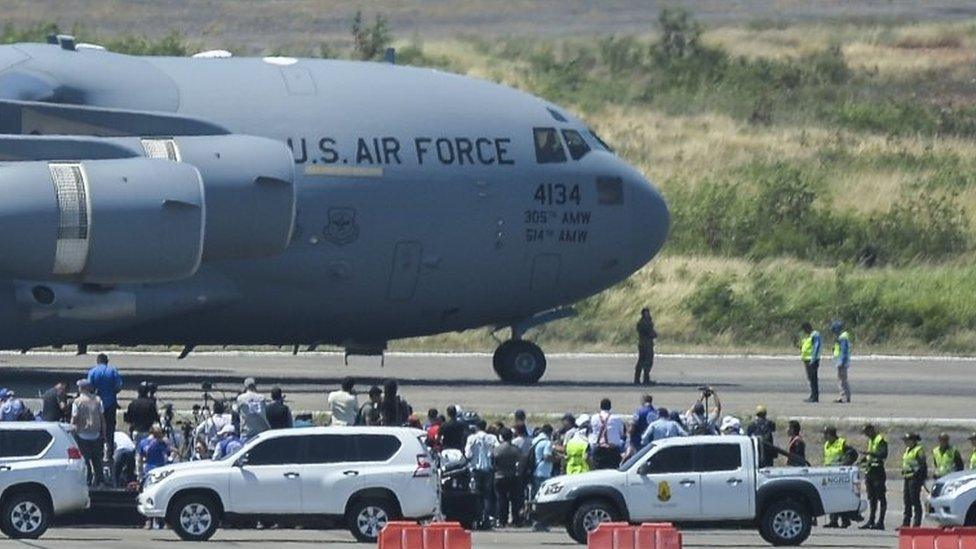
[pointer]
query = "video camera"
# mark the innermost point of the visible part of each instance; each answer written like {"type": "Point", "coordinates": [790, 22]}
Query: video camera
{"type": "Point", "coordinates": [706, 391]}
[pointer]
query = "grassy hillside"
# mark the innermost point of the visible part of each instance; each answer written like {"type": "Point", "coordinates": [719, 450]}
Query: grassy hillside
{"type": "Point", "coordinates": [814, 171]}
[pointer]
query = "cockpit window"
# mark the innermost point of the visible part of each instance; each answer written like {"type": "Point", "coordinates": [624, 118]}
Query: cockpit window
{"type": "Point", "coordinates": [575, 143]}
{"type": "Point", "coordinates": [600, 141]}
{"type": "Point", "coordinates": [548, 146]}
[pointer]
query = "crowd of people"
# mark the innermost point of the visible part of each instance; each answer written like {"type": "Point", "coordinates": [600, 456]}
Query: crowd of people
{"type": "Point", "coordinates": [507, 461]}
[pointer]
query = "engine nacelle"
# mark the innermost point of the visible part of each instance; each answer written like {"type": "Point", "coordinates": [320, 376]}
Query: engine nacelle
{"type": "Point", "coordinates": [249, 185]}
{"type": "Point", "coordinates": [101, 221]}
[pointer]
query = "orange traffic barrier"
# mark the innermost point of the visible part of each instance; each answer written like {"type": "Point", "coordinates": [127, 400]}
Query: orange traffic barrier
{"type": "Point", "coordinates": [936, 538]}
{"type": "Point", "coordinates": [436, 535]}
{"type": "Point", "coordinates": [621, 535]}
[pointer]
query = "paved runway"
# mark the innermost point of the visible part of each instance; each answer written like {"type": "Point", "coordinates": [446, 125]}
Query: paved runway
{"type": "Point", "coordinates": [118, 538]}
{"type": "Point", "coordinates": [891, 388]}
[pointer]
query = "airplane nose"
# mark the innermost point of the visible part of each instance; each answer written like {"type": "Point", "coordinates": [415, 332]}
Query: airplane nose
{"type": "Point", "coordinates": [649, 221]}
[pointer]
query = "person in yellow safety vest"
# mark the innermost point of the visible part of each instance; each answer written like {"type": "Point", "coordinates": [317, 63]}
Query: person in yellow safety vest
{"type": "Point", "coordinates": [875, 477]}
{"type": "Point", "coordinates": [914, 470]}
{"type": "Point", "coordinates": [810, 356]}
{"type": "Point", "coordinates": [842, 360]}
{"type": "Point", "coordinates": [972, 457]}
{"type": "Point", "coordinates": [837, 452]}
{"type": "Point", "coordinates": [578, 448]}
{"type": "Point", "coordinates": [945, 458]}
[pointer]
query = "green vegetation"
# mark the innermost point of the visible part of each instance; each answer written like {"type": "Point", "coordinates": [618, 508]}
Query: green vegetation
{"type": "Point", "coordinates": [814, 171]}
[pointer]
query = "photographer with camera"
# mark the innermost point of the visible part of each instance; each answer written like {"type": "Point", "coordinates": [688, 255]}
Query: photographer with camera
{"type": "Point", "coordinates": [209, 429]}
{"type": "Point", "coordinates": [141, 413]}
{"type": "Point", "coordinates": [696, 420]}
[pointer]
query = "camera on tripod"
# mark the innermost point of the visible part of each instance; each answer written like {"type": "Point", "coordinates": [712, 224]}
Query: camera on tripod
{"type": "Point", "coordinates": [706, 391]}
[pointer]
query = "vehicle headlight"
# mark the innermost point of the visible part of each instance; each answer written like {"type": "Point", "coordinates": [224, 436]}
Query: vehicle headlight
{"type": "Point", "coordinates": [955, 485]}
{"type": "Point", "coordinates": [552, 489]}
{"type": "Point", "coordinates": [156, 476]}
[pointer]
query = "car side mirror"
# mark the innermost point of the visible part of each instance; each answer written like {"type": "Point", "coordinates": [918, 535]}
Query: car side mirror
{"type": "Point", "coordinates": [241, 461]}
{"type": "Point", "coordinates": [644, 468]}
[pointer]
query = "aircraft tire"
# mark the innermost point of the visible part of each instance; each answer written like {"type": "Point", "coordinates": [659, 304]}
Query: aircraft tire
{"type": "Point", "coordinates": [522, 362]}
{"type": "Point", "coordinates": [498, 359]}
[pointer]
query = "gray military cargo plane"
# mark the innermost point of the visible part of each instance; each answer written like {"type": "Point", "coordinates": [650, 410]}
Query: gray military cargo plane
{"type": "Point", "coordinates": [282, 201]}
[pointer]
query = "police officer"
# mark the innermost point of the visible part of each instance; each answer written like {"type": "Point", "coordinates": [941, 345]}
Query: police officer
{"type": "Point", "coordinates": [645, 348]}
{"type": "Point", "coordinates": [914, 470]}
{"type": "Point", "coordinates": [810, 356]}
{"type": "Point", "coordinates": [945, 458]}
{"type": "Point", "coordinates": [842, 360]}
{"type": "Point", "coordinates": [873, 461]}
{"type": "Point", "coordinates": [972, 457]}
{"type": "Point", "coordinates": [837, 452]}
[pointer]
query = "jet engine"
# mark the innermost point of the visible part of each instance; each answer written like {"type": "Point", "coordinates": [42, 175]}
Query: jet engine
{"type": "Point", "coordinates": [101, 221]}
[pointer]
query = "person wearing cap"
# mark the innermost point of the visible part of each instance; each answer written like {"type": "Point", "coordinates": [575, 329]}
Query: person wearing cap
{"type": "Point", "coordinates": [914, 470]}
{"type": "Point", "coordinates": [696, 420]}
{"type": "Point", "coordinates": [842, 360]}
{"type": "Point", "coordinates": [945, 458]}
{"type": "Point", "coordinates": [107, 382]}
{"type": "Point", "coordinates": [209, 429]}
{"type": "Point", "coordinates": [763, 429]}
{"type": "Point", "coordinates": [13, 408]}
{"type": "Point", "coordinates": [87, 417]}
{"type": "Point", "coordinates": [972, 457]}
{"type": "Point", "coordinates": [730, 426]}
{"type": "Point", "coordinates": [229, 442]}
{"type": "Point", "coordinates": [252, 408]}
{"type": "Point", "coordinates": [810, 356]}
{"type": "Point", "coordinates": [661, 428]}
{"type": "Point", "coordinates": [369, 413]}
{"type": "Point", "coordinates": [837, 452]}
{"type": "Point", "coordinates": [279, 414]}
{"type": "Point", "coordinates": [343, 404]}
{"type": "Point", "coordinates": [875, 478]}
{"type": "Point", "coordinates": [578, 447]}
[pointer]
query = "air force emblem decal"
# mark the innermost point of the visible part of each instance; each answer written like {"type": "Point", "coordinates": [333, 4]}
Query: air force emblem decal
{"type": "Point", "coordinates": [342, 228]}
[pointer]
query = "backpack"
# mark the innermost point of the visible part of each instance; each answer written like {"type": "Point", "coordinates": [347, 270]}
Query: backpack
{"type": "Point", "coordinates": [528, 466]}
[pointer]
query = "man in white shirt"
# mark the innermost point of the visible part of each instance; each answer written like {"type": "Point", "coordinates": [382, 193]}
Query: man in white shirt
{"type": "Point", "coordinates": [209, 430]}
{"type": "Point", "coordinates": [478, 449]}
{"type": "Point", "coordinates": [343, 404]}
{"type": "Point", "coordinates": [606, 437]}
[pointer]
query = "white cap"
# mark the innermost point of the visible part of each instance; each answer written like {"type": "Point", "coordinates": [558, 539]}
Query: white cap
{"type": "Point", "coordinates": [730, 423]}
{"type": "Point", "coordinates": [583, 420]}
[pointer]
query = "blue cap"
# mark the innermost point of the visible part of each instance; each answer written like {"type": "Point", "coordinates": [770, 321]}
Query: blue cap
{"type": "Point", "coordinates": [836, 326]}
{"type": "Point", "coordinates": [5, 393]}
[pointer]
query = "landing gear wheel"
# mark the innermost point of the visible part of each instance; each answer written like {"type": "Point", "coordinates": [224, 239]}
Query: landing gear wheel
{"type": "Point", "coordinates": [519, 361]}
{"type": "Point", "coordinates": [588, 516]}
{"type": "Point", "coordinates": [25, 516]}
{"type": "Point", "coordinates": [785, 522]}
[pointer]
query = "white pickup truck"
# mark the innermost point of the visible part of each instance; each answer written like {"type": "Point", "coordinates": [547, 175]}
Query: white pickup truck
{"type": "Point", "coordinates": [702, 480]}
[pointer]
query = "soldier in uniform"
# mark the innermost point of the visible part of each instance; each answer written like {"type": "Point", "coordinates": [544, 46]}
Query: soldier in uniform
{"type": "Point", "coordinates": [914, 469]}
{"type": "Point", "coordinates": [873, 461]}
{"type": "Point", "coordinates": [645, 348]}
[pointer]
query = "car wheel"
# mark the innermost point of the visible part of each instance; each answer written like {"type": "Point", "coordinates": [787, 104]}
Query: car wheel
{"type": "Point", "coordinates": [971, 516]}
{"type": "Point", "coordinates": [522, 362]}
{"type": "Point", "coordinates": [25, 515]}
{"type": "Point", "coordinates": [367, 517]}
{"type": "Point", "coordinates": [194, 518]}
{"type": "Point", "coordinates": [786, 522]}
{"type": "Point", "coordinates": [588, 516]}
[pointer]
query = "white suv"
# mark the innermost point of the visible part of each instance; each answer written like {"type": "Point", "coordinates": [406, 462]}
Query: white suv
{"type": "Point", "coordinates": [355, 477]}
{"type": "Point", "coordinates": [41, 475]}
{"type": "Point", "coordinates": [953, 500]}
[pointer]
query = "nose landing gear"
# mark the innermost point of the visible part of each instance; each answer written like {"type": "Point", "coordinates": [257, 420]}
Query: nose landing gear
{"type": "Point", "coordinates": [519, 361]}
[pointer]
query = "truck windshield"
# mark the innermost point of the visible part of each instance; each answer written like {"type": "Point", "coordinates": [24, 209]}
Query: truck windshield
{"type": "Point", "coordinates": [636, 457]}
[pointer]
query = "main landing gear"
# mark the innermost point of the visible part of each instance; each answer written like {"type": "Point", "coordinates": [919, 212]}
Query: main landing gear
{"type": "Point", "coordinates": [520, 361]}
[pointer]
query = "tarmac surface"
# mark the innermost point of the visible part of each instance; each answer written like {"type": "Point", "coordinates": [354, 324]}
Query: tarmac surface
{"type": "Point", "coordinates": [891, 389]}
{"type": "Point", "coordinates": [895, 389]}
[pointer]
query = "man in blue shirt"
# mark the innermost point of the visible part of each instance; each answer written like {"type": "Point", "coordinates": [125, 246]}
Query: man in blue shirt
{"type": "Point", "coordinates": [107, 382]}
{"type": "Point", "coordinates": [543, 458]}
{"type": "Point", "coordinates": [642, 418]}
{"type": "Point", "coordinates": [661, 428]}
